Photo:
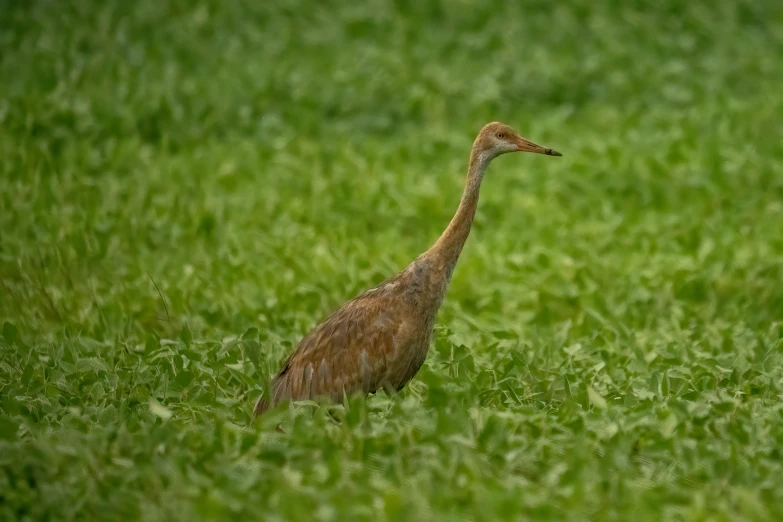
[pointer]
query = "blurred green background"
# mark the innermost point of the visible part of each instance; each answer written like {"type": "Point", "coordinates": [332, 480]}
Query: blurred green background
{"type": "Point", "coordinates": [187, 187]}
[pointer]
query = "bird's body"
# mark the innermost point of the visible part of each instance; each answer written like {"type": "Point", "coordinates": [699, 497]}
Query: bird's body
{"type": "Point", "coordinates": [380, 338]}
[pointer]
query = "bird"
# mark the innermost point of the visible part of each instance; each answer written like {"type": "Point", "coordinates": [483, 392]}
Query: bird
{"type": "Point", "coordinates": [380, 338]}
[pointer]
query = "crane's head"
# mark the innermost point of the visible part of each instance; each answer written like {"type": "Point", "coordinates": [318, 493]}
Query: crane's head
{"type": "Point", "coordinates": [498, 138]}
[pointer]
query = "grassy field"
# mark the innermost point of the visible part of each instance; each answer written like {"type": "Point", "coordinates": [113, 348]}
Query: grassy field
{"type": "Point", "coordinates": [187, 187]}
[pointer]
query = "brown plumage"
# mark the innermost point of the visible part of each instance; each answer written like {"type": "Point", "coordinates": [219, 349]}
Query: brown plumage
{"type": "Point", "coordinates": [380, 338]}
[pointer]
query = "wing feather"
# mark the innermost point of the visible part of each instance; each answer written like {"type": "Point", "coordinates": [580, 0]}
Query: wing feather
{"type": "Point", "coordinates": [347, 353]}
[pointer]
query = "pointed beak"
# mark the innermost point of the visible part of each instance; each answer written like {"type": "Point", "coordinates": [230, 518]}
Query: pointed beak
{"type": "Point", "coordinates": [528, 146]}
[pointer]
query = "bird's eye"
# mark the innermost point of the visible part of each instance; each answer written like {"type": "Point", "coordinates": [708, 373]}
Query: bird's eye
{"type": "Point", "coordinates": [500, 135]}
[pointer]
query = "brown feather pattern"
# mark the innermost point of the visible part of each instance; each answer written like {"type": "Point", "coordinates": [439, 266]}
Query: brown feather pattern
{"type": "Point", "coordinates": [380, 338]}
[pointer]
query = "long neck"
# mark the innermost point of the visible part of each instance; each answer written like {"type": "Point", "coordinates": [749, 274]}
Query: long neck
{"type": "Point", "coordinates": [447, 249]}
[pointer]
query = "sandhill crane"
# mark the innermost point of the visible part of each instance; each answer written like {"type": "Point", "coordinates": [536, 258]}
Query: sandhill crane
{"type": "Point", "coordinates": [380, 338]}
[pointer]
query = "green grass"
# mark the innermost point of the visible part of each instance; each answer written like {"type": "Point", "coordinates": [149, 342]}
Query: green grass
{"type": "Point", "coordinates": [186, 188]}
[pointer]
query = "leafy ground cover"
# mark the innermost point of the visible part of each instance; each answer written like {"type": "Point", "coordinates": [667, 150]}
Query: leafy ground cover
{"type": "Point", "coordinates": [187, 187]}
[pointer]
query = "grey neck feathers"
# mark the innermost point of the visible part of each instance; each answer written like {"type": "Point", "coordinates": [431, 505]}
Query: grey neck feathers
{"type": "Point", "coordinates": [445, 252]}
